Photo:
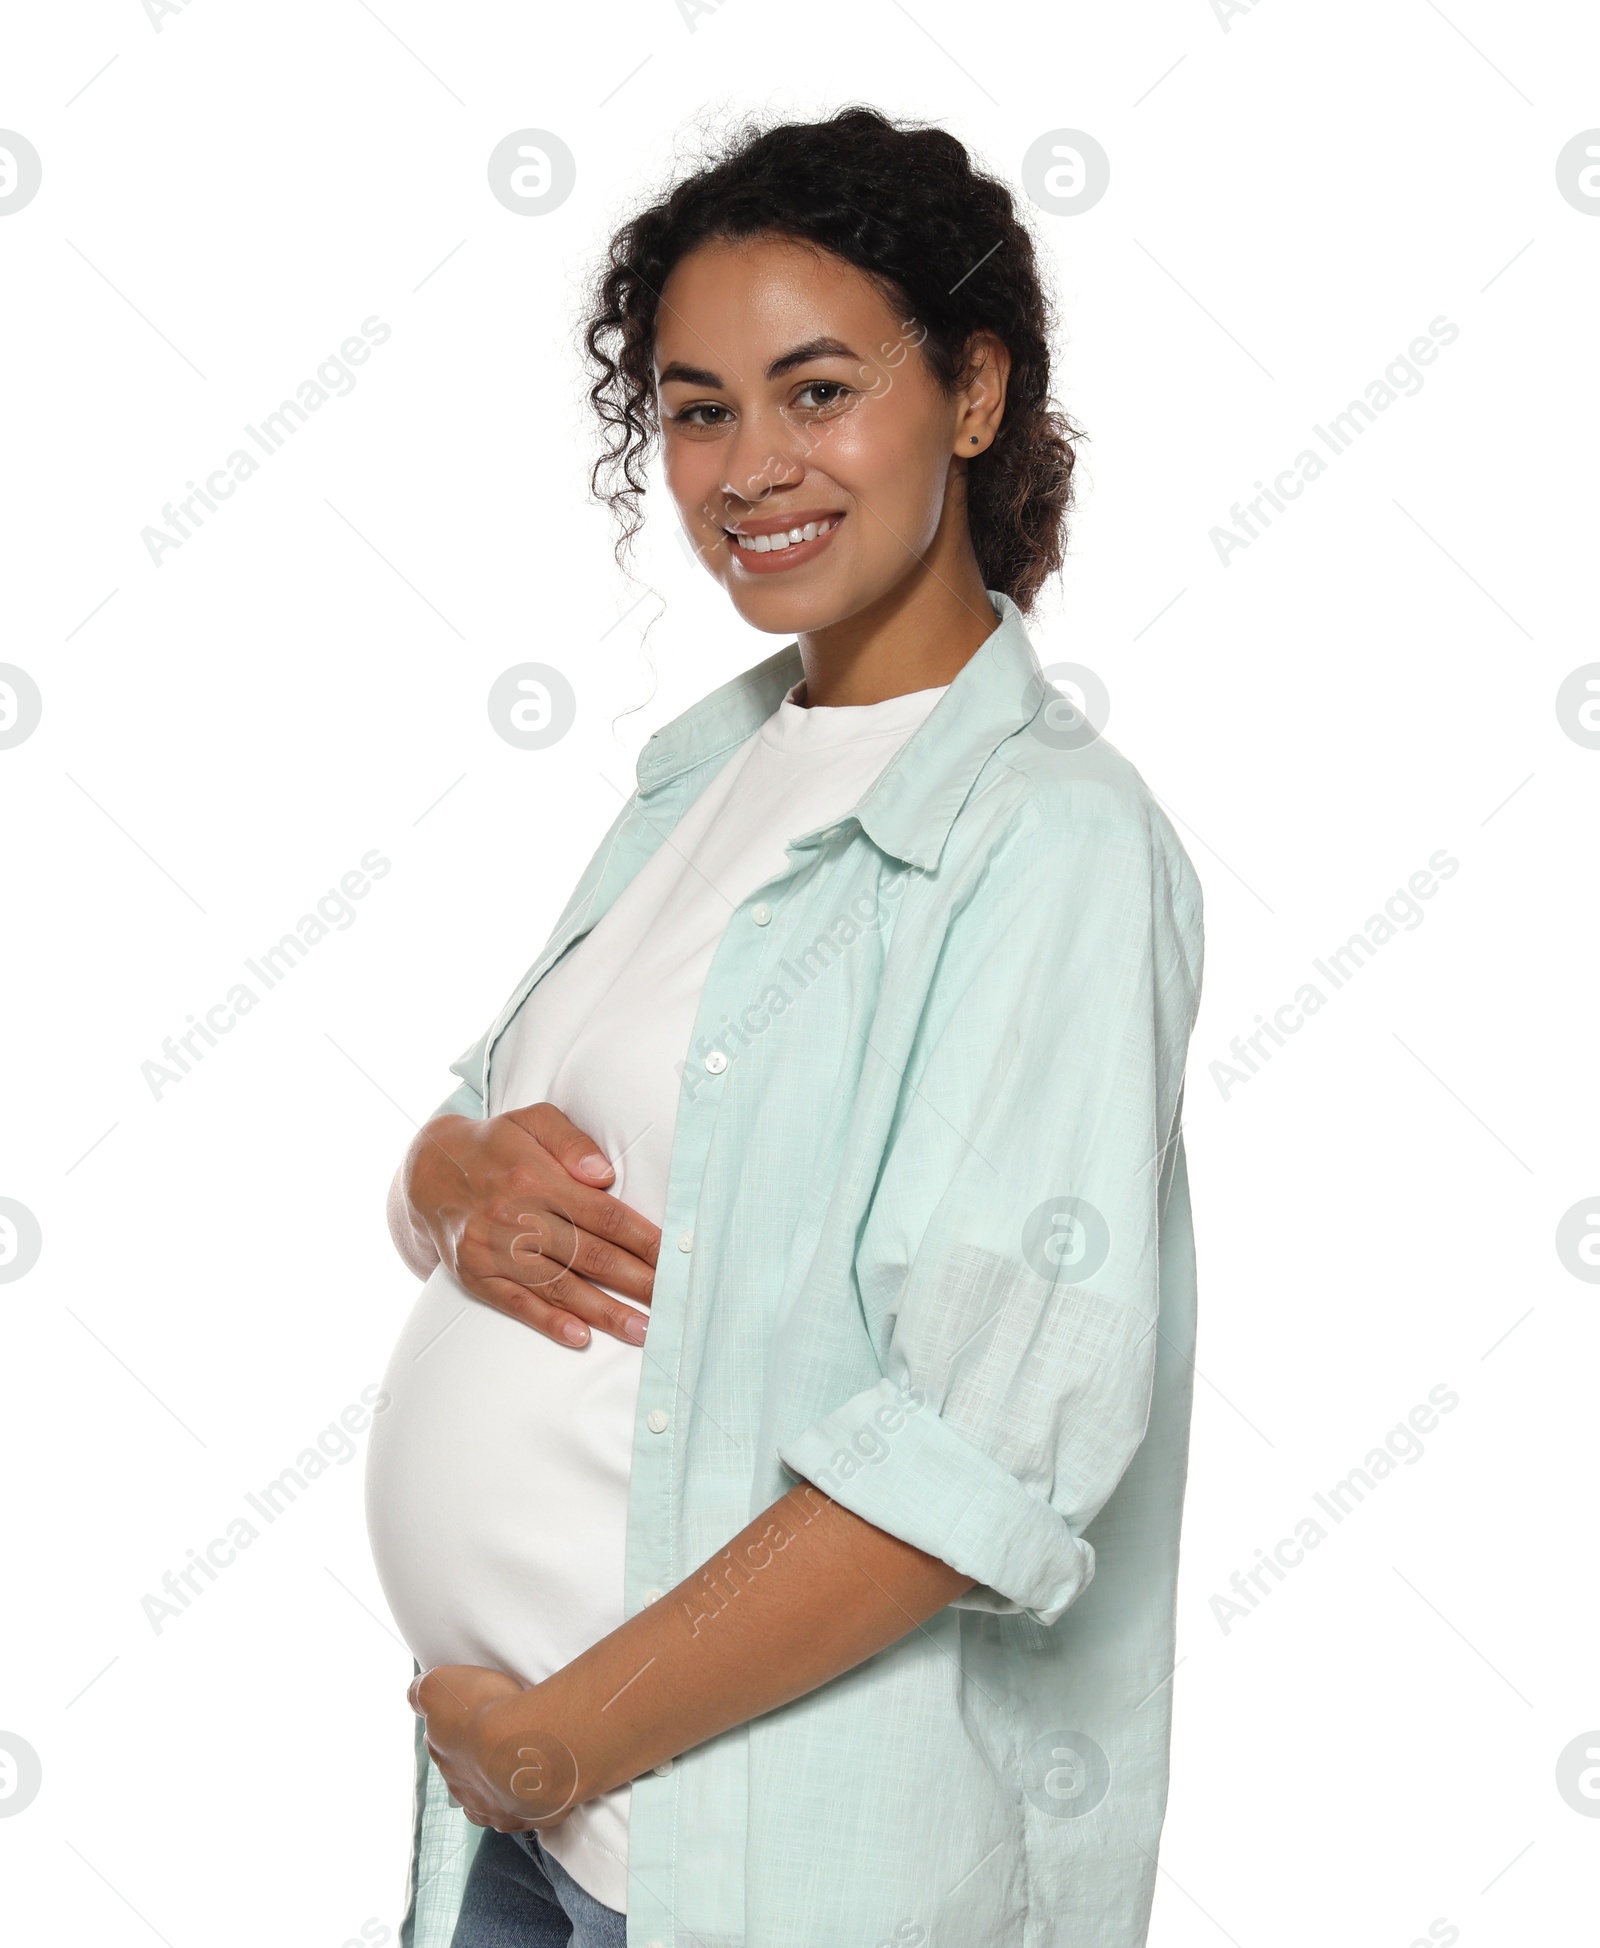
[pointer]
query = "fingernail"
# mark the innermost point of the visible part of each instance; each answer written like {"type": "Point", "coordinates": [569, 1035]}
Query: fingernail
{"type": "Point", "coordinates": [575, 1333]}
{"type": "Point", "coordinates": [635, 1329]}
{"type": "Point", "coordinates": [594, 1165]}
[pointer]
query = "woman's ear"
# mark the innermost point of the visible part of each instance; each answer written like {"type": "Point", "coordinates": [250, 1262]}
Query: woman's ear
{"type": "Point", "coordinates": [981, 401]}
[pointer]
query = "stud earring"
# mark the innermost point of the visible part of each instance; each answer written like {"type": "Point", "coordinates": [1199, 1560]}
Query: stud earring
{"type": "Point", "coordinates": [973, 438]}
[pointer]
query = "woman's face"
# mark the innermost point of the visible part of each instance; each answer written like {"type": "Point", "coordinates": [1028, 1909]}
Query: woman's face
{"type": "Point", "coordinates": [796, 404]}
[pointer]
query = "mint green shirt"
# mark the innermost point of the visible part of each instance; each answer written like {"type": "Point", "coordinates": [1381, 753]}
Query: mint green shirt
{"type": "Point", "coordinates": [929, 1154]}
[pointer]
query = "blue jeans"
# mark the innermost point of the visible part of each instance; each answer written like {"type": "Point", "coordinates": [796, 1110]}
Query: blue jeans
{"type": "Point", "coordinates": [519, 1896]}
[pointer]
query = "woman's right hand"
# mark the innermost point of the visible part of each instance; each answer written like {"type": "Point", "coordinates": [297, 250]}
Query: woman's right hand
{"type": "Point", "coordinates": [512, 1207]}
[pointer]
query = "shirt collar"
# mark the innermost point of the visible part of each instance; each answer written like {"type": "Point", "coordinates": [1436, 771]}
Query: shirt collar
{"type": "Point", "coordinates": [909, 810]}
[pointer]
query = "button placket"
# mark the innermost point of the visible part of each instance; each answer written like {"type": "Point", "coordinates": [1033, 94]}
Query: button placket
{"type": "Point", "coordinates": [731, 978]}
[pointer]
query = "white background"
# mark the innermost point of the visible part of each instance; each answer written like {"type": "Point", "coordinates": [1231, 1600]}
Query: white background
{"type": "Point", "coordinates": [1294, 196]}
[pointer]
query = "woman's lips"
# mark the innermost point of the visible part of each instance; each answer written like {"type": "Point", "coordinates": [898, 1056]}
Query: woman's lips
{"type": "Point", "coordinates": [794, 554]}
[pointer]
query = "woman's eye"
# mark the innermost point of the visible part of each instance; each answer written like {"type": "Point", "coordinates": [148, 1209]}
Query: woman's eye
{"type": "Point", "coordinates": [831, 388]}
{"type": "Point", "coordinates": [690, 415]}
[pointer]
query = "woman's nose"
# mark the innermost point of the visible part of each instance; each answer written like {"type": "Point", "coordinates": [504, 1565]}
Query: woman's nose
{"type": "Point", "coordinates": [766, 453]}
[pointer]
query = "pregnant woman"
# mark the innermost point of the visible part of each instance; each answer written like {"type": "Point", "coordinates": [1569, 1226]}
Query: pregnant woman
{"type": "Point", "coordinates": [781, 1487]}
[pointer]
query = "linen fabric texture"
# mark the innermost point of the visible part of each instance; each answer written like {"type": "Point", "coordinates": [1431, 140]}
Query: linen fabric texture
{"type": "Point", "coordinates": [930, 1151]}
{"type": "Point", "coordinates": [498, 1475]}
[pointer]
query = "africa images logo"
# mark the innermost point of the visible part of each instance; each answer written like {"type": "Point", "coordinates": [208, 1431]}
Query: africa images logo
{"type": "Point", "coordinates": [333, 379]}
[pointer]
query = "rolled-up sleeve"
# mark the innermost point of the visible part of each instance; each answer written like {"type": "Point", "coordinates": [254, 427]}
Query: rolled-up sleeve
{"type": "Point", "coordinates": [1008, 1265]}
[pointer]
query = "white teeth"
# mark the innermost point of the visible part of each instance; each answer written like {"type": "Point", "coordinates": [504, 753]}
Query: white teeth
{"type": "Point", "coordinates": [764, 544]}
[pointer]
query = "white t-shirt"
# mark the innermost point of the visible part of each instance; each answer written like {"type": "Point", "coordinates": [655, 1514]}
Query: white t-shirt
{"type": "Point", "coordinates": [497, 1480]}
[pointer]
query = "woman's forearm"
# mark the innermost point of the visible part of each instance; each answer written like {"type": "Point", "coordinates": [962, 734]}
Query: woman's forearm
{"type": "Point", "coordinates": [417, 1251]}
{"type": "Point", "coordinates": [806, 1592]}
{"type": "Point", "coordinates": [412, 1242]}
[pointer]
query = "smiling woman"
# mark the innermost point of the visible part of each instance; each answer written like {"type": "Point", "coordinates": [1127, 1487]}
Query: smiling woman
{"type": "Point", "coordinates": [847, 329]}
{"type": "Point", "coordinates": [809, 1290]}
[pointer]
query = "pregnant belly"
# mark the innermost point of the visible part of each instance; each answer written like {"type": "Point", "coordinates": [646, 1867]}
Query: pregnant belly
{"type": "Point", "coordinates": [497, 1487]}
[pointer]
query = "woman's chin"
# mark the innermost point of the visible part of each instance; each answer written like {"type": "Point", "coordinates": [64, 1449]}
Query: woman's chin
{"type": "Point", "coordinates": [799, 602]}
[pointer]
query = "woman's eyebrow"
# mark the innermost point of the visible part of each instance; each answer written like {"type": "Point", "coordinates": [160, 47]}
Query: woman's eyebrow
{"type": "Point", "coordinates": [689, 375]}
{"type": "Point", "coordinates": [804, 354]}
{"type": "Point", "coordinates": [814, 348]}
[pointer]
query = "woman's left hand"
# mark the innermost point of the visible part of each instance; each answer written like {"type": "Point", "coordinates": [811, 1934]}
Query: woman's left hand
{"type": "Point", "coordinates": [480, 1730]}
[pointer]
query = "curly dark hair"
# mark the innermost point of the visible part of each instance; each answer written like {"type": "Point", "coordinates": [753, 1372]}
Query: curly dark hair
{"type": "Point", "coordinates": [945, 244]}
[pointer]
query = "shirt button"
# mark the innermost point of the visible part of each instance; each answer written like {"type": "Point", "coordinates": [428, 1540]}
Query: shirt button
{"type": "Point", "coordinates": [663, 1768]}
{"type": "Point", "coordinates": [653, 1596]}
{"type": "Point", "coordinates": [686, 1241]}
{"type": "Point", "coordinates": [716, 1061]}
{"type": "Point", "coordinates": [657, 1421]}
{"type": "Point", "coordinates": [761, 914]}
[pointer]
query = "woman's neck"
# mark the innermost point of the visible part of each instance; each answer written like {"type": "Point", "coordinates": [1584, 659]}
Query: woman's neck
{"type": "Point", "coordinates": [914, 638]}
